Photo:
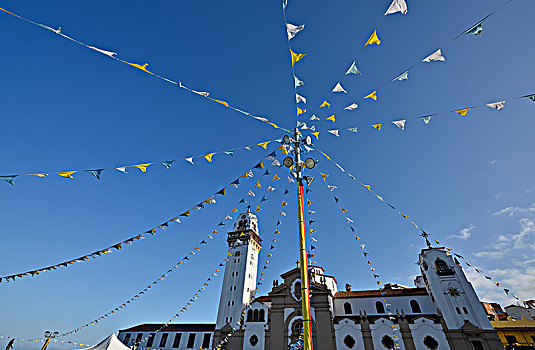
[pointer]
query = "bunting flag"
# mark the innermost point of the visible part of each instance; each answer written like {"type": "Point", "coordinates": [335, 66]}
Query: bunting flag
{"type": "Point", "coordinates": [292, 30]}
{"type": "Point", "coordinates": [298, 82]}
{"type": "Point", "coordinates": [11, 340]}
{"type": "Point", "coordinates": [426, 119]}
{"type": "Point", "coordinates": [400, 124]}
{"type": "Point", "coordinates": [334, 132]}
{"type": "Point", "coordinates": [366, 255]}
{"type": "Point", "coordinates": [301, 111]}
{"type": "Point", "coordinates": [133, 239]}
{"type": "Point", "coordinates": [354, 129]}
{"type": "Point", "coordinates": [377, 126]}
{"type": "Point", "coordinates": [353, 69]}
{"type": "Point", "coordinates": [462, 112]}
{"type": "Point", "coordinates": [296, 57]}
{"type": "Point", "coordinates": [435, 56]}
{"type": "Point", "coordinates": [141, 67]}
{"type": "Point", "coordinates": [299, 98]}
{"type": "Point", "coordinates": [351, 107]}
{"type": "Point", "coordinates": [339, 88]}
{"type": "Point", "coordinates": [402, 76]}
{"type": "Point", "coordinates": [331, 118]}
{"type": "Point", "coordinates": [372, 95]}
{"type": "Point", "coordinates": [374, 39]}
{"type": "Point", "coordinates": [142, 167]}
{"type": "Point", "coordinates": [313, 117]}
{"type": "Point", "coordinates": [497, 105]}
{"type": "Point", "coordinates": [476, 29]}
{"type": "Point", "coordinates": [325, 104]}
{"type": "Point", "coordinates": [397, 6]}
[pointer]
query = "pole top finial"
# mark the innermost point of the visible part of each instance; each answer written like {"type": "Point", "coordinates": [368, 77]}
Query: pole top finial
{"type": "Point", "coordinates": [425, 235]}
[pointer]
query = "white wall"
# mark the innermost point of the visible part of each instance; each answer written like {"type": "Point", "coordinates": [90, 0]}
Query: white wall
{"type": "Point", "coordinates": [367, 304]}
{"type": "Point", "coordinates": [423, 327]}
{"type": "Point", "coordinates": [383, 327]}
{"type": "Point", "coordinates": [199, 336]}
{"type": "Point", "coordinates": [348, 327]}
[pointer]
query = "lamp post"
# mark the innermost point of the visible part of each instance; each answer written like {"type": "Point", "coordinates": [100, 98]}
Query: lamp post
{"type": "Point", "coordinates": [298, 166]}
{"type": "Point", "coordinates": [49, 335]}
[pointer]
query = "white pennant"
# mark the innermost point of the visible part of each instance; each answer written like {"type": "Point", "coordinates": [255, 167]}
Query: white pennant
{"type": "Point", "coordinates": [276, 162]}
{"type": "Point", "coordinates": [271, 189]}
{"type": "Point", "coordinates": [299, 98]}
{"type": "Point", "coordinates": [397, 6]}
{"type": "Point", "coordinates": [250, 173]}
{"type": "Point", "coordinates": [107, 53]}
{"type": "Point", "coordinates": [251, 193]}
{"type": "Point", "coordinates": [122, 169]}
{"type": "Point", "coordinates": [309, 149]}
{"type": "Point", "coordinates": [292, 30]}
{"type": "Point", "coordinates": [400, 124]}
{"type": "Point", "coordinates": [190, 159]}
{"type": "Point", "coordinates": [314, 117]}
{"type": "Point", "coordinates": [352, 107]}
{"type": "Point", "coordinates": [435, 56]}
{"type": "Point", "coordinates": [497, 105]}
{"type": "Point", "coordinates": [332, 188]}
{"type": "Point", "coordinates": [339, 88]}
{"type": "Point", "coordinates": [334, 132]}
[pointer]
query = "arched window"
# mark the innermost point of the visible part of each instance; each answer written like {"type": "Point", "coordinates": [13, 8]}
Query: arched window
{"type": "Point", "coordinates": [388, 342]}
{"type": "Point", "coordinates": [297, 290]}
{"type": "Point", "coordinates": [430, 342]}
{"type": "Point", "coordinates": [347, 308]}
{"type": "Point", "coordinates": [379, 307]}
{"type": "Point", "coordinates": [250, 316]}
{"type": "Point", "coordinates": [255, 315]}
{"type": "Point", "coordinates": [442, 268]}
{"type": "Point", "coordinates": [261, 315]}
{"type": "Point", "coordinates": [458, 310]}
{"type": "Point", "coordinates": [465, 310]}
{"type": "Point", "coordinates": [415, 307]}
{"type": "Point", "coordinates": [349, 341]}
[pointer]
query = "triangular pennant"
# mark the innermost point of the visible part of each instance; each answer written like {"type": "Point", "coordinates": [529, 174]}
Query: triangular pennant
{"type": "Point", "coordinates": [351, 107]}
{"type": "Point", "coordinates": [317, 134]}
{"type": "Point", "coordinates": [222, 102]}
{"type": "Point", "coordinates": [222, 191]}
{"type": "Point", "coordinates": [208, 156]}
{"type": "Point", "coordinates": [8, 178]}
{"type": "Point", "coordinates": [462, 112]}
{"type": "Point", "coordinates": [264, 144]}
{"type": "Point", "coordinates": [372, 95]}
{"type": "Point", "coordinates": [374, 39]}
{"type": "Point", "coordinates": [426, 119]}
{"type": "Point", "coordinates": [296, 57]}
{"type": "Point", "coordinates": [66, 174]}
{"type": "Point", "coordinates": [339, 88]}
{"type": "Point", "coordinates": [299, 98]}
{"type": "Point", "coordinates": [139, 66]}
{"type": "Point", "coordinates": [251, 193]}
{"type": "Point", "coordinates": [230, 153]}
{"type": "Point", "coordinates": [190, 160]}
{"type": "Point", "coordinates": [257, 209]}
{"type": "Point", "coordinates": [531, 97]}
{"type": "Point", "coordinates": [314, 117]}
{"type": "Point", "coordinates": [377, 126]}
{"type": "Point", "coordinates": [325, 104]}
{"type": "Point", "coordinates": [259, 166]}
{"type": "Point", "coordinates": [298, 82]}
{"type": "Point", "coordinates": [402, 76]}
{"type": "Point", "coordinates": [476, 29]}
{"type": "Point", "coordinates": [397, 6]}
{"type": "Point", "coordinates": [354, 129]}
{"type": "Point", "coordinates": [435, 56]}
{"type": "Point", "coordinates": [301, 111]}
{"type": "Point", "coordinates": [292, 30]}
{"type": "Point", "coordinates": [331, 118]}
{"type": "Point", "coordinates": [334, 132]}
{"type": "Point", "coordinates": [95, 172]}
{"type": "Point", "coordinates": [400, 123]}
{"type": "Point", "coordinates": [257, 184]}
{"type": "Point", "coordinates": [168, 163]}
{"type": "Point", "coordinates": [353, 69]}
{"type": "Point", "coordinates": [497, 105]}
{"type": "Point", "coordinates": [142, 167]}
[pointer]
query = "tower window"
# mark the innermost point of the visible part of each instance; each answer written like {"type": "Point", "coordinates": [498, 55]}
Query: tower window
{"type": "Point", "coordinates": [237, 253]}
{"type": "Point", "coordinates": [176, 341]}
{"type": "Point", "coordinates": [415, 307]}
{"type": "Point", "coordinates": [253, 340]}
{"type": "Point", "coordinates": [206, 341]}
{"type": "Point", "coordinates": [191, 341]}
{"type": "Point", "coordinates": [477, 345]}
{"type": "Point", "coordinates": [465, 310]}
{"type": "Point", "coordinates": [255, 315]}
{"type": "Point", "coordinates": [430, 342]}
{"type": "Point", "coordinates": [458, 310]}
{"type": "Point", "coordinates": [151, 340]}
{"type": "Point", "coordinates": [232, 302]}
{"type": "Point", "coordinates": [163, 340]}
{"type": "Point", "coordinates": [349, 341]}
{"type": "Point", "coordinates": [261, 315]}
{"type": "Point", "coordinates": [127, 338]}
{"type": "Point", "coordinates": [250, 316]}
{"type": "Point", "coordinates": [442, 268]}
{"type": "Point", "coordinates": [388, 342]}
{"type": "Point", "coordinates": [379, 307]}
{"type": "Point", "coordinates": [138, 338]}
{"type": "Point", "coordinates": [347, 309]}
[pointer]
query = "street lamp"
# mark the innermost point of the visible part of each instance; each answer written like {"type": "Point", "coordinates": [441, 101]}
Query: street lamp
{"type": "Point", "coordinates": [296, 164]}
{"type": "Point", "coordinates": [49, 335]}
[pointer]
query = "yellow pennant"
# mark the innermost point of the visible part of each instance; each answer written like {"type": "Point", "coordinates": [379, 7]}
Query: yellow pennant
{"type": "Point", "coordinates": [283, 149]}
{"type": "Point", "coordinates": [208, 200]}
{"type": "Point", "coordinates": [264, 144]}
{"type": "Point", "coordinates": [229, 254]}
{"type": "Point", "coordinates": [377, 126]}
{"type": "Point", "coordinates": [372, 95]}
{"type": "Point", "coordinates": [257, 184]}
{"type": "Point", "coordinates": [326, 156]}
{"type": "Point", "coordinates": [142, 167]}
{"type": "Point", "coordinates": [324, 176]}
{"type": "Point", "coordinates": [284, 204]}
{"type": "Point", "coordinates": [261, 165]}
{"type": "Point", "coordinates": [214, 231]}
{"type": "Point", "coordinates": [234, 210]}
{"type": "Point", "coordinates": [139, 66]}
{"type": "Point", "coordinates": [463, 111]}
{"type": "Point", "coordinates": [277, 231]}
{"type": "Point", "coordinates": [309, 202]}
{"type": "Point", "coordinates": [368, 187]}
{"type": "Point", "coordinates": [312, 230]}
{"type": "Point", "coordinates": [405, 216]}
{"type": "Point", "coordinates": [257, 209]}
{"type": "Point", "coordinates": [301, 111]}
{"type": "Point", "coordinates": [186, 213]}
{"type": "Point", "coordinates": [374, 39]}
{"type": "Point", "coordinates": [274, 125]}
{"type": "Point", "coordinates": [244, 176]}
{"type": "Point", "coordinates": [436, 240]}
{"type": "Point", "coordinates": [296, 57]}
{"type": "Point", "coordinates": [275, 178]}
{"type": "Point", "coordinates": [331, 118]}
{"type": "Point", "coordinates": [325, 104]}
{"type": "Point", "coordinates": [67, 174]}
{"type": "Point", "coordinates": [222, 102]}
{"type": "Point", "coordinates": [343, 210]}
{"type": "Point", "coordinates": [208, 157]}
{"type": "Point", "coordinates": [358, 238]}
{"type": "Point", "coordinates": [317, 134]}
{"type": "Point", "coordinates": [196, 248]}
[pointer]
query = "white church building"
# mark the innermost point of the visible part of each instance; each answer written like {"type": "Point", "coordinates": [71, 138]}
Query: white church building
{"type": "Point", "coordinates": [441, 312]}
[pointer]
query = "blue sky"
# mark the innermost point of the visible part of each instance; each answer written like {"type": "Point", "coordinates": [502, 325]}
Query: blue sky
{"type": "Point", "coordinates": [467, 180]}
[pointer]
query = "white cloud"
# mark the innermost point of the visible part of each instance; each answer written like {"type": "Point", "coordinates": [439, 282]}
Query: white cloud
{"type": "Point", "coordinates": [465, 233]}
{"type": "Point", "coordinates": [492, 162]}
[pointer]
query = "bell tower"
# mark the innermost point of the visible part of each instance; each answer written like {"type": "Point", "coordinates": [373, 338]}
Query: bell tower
{"type": "Point", "coordinates": [239, 282]}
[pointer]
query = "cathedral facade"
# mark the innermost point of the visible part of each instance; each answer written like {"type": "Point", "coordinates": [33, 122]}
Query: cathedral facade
{"type": "Point", "coordinates": [441, 312]}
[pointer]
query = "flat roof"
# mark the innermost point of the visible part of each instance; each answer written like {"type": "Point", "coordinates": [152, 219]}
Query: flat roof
{"type": "Point", "coordinates": [172, 327]}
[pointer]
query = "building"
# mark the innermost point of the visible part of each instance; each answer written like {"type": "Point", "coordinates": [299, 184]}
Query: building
{"type": "Point", "coordinates": [517, 312]}
{"type": "Point", "coordinates": [441, 312]}
{"type": "Point", "coordinates": [516, 332]}
{"type": "Point", "coordinates": [494, 311]}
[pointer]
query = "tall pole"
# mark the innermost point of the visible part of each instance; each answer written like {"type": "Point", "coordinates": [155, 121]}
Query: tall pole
{"type": "Point", "coordinates": [303, 256]}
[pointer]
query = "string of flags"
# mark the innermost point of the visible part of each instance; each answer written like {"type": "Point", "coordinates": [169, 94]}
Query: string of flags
{"type": "Point", "coordinates": [154, 230]}
{"type": "Point", "coordinates": [426, 119]}
{"type": "Point", "coordinates": [406, 217]}
{"type": "Point", "coordinates": [436, 56]}
{"type": "Point", "coordinates": [312, 231]}
{"type": "Point", "coordinates": [292, 30]}
{"type": "Point", "coordinates": [13, 339]}
{"type": "Point", "coordinates": [141, 167]}
{"type": "Point", "coordinates": [143, 68]}
{"type": "Point", "coordinates": [187, 257]}
{"type": "Point", "coordinates": [366, 255]}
